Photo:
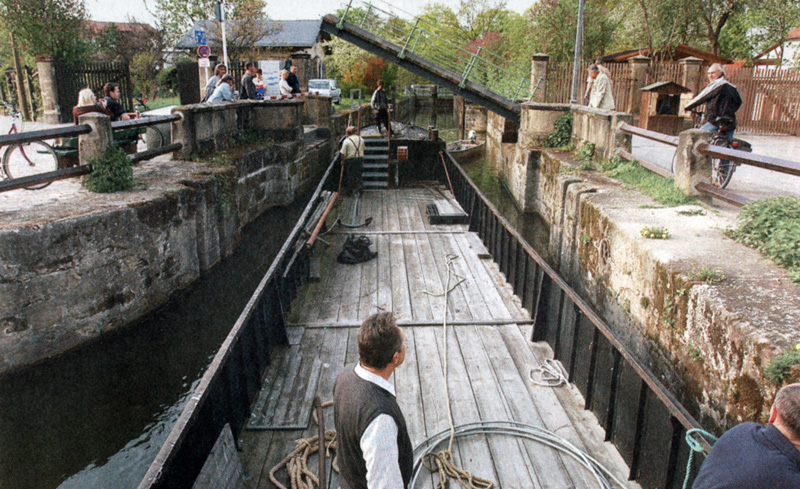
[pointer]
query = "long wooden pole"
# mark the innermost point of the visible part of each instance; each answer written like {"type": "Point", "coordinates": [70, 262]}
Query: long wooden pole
{"type": "Point", "coordinates": [22, 99]}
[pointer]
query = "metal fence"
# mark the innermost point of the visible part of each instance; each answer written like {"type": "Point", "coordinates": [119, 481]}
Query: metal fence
{"type": "Point", "coordinates": [645, 422]}
{"type": "Point", "coordinates": [70, 78]}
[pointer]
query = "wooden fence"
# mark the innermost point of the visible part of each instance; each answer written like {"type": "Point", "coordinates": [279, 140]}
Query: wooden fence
{"type": "Point", "coordinates": [559, 82]}
{"type": "Point", "coordinates": [70, 78]}
{"type": "Point", "coordinates": [770, 98]}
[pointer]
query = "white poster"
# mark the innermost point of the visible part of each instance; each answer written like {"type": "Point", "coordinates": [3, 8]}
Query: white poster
{"type": "Point", "coordinates": [270, 71]}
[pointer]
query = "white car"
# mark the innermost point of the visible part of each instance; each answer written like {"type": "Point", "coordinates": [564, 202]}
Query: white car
{"type": "Point", "coordinates": [326, 86]}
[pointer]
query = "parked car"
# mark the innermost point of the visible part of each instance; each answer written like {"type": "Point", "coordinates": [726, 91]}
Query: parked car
{"type": "Point", "coordinates": [326, 86]}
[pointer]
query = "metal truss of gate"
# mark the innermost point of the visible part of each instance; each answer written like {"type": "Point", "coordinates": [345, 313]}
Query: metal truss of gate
{"type": "Point", "coordinates": [478, 75]}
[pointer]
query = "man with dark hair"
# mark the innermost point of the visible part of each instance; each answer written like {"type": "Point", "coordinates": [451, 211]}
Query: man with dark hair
{"type": "Point", "coordinates": [293, 81]}
{"type": "Point", "coordinates": [374, 448]}
{"type": "Point", "coordinates": [247, 91]}
{"type": "Point", "coordinates": [112, 93]}
{"type": "Point", "coordinates": [751, 455]}
{"type": "Point", "coordinates": [380, 104]}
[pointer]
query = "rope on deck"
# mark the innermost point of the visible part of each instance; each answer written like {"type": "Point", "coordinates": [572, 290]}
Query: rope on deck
{"type": "Point", "coordinates": [442, 461]}
{"type": "Point", "coordinates": [296, 462]}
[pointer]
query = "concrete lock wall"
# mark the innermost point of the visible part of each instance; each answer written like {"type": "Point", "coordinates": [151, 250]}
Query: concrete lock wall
{"type": "Point", "coordinates": [113, 258]}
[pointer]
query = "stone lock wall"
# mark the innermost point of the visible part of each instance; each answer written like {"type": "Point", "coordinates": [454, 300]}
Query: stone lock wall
{"type": "Point", "coordinates": [73, 271]}
{"type": "Point", "coordinates": [708, 343]}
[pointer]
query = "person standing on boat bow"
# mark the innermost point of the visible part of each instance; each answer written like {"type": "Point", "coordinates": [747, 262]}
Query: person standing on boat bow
{"type": "Point", "coordinates": [374, 448]}
{"type": "Point", "coordinates": [751, 455]}
{"type": "Point", "coordinates": [352, 161]}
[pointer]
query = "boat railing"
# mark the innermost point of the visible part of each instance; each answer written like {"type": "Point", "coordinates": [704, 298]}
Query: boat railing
{"type": "Point", "coordinates": [233, 378]}
{"type": "Point", "coordinates": [640, 416]}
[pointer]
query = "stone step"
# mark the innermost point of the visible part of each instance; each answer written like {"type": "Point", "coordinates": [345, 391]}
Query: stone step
{"type": "Point", "coordinates": [383, 157]}
{"type": "Point", "coordinates": [376, 166]}
{"type": "Point", "coordinates": [375, 174]}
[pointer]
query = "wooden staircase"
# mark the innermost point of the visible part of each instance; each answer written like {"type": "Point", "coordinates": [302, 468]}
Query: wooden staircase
{"type": "Point", "coordinates": [376, 163]}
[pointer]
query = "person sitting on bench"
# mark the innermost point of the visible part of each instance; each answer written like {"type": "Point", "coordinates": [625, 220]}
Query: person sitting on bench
{"type": "Point", "coordinates": [87, 103]}
{"type": "Point", "coordinates": [111, 90]}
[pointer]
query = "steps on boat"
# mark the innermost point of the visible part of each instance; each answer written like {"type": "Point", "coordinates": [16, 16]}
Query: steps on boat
{"type": "Point", "coordinates": [376, 163]}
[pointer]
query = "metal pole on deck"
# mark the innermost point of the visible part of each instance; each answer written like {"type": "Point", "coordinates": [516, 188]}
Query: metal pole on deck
{"type": "Point", "coordinates": [573, 99]}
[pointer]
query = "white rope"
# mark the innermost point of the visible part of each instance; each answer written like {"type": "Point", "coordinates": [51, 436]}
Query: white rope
{"type": "Point", "coordinates": [549, 374]}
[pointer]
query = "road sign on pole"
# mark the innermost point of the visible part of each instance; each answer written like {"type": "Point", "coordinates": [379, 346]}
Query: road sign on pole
{"type": "Point", "coordinates": [203, 52]}
{"type": "Point", "coordinates": [200, 37]}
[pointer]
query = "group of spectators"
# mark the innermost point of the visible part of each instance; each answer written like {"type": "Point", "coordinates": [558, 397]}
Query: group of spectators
{"type": "Point", "coordinates": [108, 105]}
{"type": "Point", "coordinates": [220, 87]}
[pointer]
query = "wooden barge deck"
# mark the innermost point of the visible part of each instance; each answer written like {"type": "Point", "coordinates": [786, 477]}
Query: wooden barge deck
{"type": "Point", "coordinates": [489, 355]}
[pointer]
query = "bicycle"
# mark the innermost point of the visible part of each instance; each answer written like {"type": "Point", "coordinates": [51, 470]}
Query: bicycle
{"type": "Point", "coordinates": [26, 159]}
{"type": "Point", "coordinates": [721, 170]}
{"type": "Point", "coordinates": [155, 136]}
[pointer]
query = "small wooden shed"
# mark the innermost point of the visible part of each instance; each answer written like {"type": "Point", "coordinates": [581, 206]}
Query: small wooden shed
{"type": "Point", "coordinates": [660, 110]}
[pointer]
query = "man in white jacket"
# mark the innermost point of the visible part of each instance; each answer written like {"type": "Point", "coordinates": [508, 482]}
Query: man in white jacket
{"type": "Point", "coordinates": [600, 96]}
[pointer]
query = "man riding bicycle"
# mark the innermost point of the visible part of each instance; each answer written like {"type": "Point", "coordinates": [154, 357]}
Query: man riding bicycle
{"type": "Point", "coordinates": [722, 101]}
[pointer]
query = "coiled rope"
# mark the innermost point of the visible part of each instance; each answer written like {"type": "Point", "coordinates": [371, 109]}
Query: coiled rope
{"type": "Point", "coordinates": [695, 446]}
{"type": "Point", "coordinates": [296, 462]}
{"type": "Point", "coordinates": [548, 374]}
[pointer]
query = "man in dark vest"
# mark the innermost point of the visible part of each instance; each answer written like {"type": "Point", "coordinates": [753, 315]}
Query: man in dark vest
{"type": "Point", "coordinates": [374, 448]}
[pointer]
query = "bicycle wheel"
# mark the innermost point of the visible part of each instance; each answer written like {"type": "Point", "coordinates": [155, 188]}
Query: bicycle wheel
{"type": "Point", "coordinates": [34, 158]}
{"type": "Point", "coordinates": [721, 170]}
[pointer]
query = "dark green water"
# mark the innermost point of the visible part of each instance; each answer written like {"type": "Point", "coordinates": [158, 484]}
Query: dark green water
{"type": "Point", "coordinates": [96, 416]}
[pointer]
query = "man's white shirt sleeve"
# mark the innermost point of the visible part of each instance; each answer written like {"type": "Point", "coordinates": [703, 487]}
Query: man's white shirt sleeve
{"type": "Point", "coordinates": [379, 445]}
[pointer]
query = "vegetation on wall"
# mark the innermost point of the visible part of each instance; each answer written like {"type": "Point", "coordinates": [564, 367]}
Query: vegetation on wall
{"type": "Point", "coordinates": [772, 226]}
{"type": "Point", "coordinates": [111, 172]}
{"type": "Point", "coordinates": [639, 178]}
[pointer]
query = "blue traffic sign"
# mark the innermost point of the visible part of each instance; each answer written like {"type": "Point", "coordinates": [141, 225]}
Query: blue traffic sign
{"type": "Point", "coordinates": [200, 37]}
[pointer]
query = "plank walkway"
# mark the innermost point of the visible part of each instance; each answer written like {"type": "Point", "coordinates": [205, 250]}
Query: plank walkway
{"type": "Point", "coordinates": [487, 350]}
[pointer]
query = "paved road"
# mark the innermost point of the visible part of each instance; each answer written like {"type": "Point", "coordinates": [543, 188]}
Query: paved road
{"type": "Point", "coordinates": [751, 182]}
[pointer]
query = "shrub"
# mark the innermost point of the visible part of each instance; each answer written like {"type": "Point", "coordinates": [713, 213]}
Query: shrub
{"type": "Point", "coordinates": [111, 172]}
{"type": "Point", "coordinates": [781, 366]}
{"type": "Point", "coordinates": [562, 135]}
{"type": "Point", "coordinates": [772, 226]}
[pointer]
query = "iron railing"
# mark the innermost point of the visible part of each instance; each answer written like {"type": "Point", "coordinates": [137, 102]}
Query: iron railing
{"type": "Point", "coordinates": [644, 420]}
{"type": "Point", "coordinates": [423, 36]}
{"type": "Point", "coordinates": [230, 383]}
{"type": "Point", "coordinates": [75, 131]}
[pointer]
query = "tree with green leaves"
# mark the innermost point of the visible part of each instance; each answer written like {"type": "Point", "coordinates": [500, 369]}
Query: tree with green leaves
{"type": "Point", "coordinates": [53, 28]}
{"type": "Point", "coordinates": [176, 17]}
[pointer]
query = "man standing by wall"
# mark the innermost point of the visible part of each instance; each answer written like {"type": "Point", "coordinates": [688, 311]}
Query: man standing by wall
{"type": "Point", "coordinates": [293, 81]}
{"type": "Point", "coordinates": [380, 104]}
{"type": "Point", "coordinates": [374, 448]}
{"type": "Point", "coordinates": [751, 455]}
{"type": "Point", "coordinates": [247, 91]}
{"type": "Point", "coordinates": [600, 96]}
{"type": "Point", "coordinates": [352, 161]}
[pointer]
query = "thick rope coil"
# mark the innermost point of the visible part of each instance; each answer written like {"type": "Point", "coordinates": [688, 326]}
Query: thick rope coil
{"type": "Point", "coordinates": [548, 374]}
{"type": "Point", "coordinates": [696, 447]}
{"type": "Point", "coordinates": [296, 462]}
{"type": "Point", "coordinates": [442, 462]}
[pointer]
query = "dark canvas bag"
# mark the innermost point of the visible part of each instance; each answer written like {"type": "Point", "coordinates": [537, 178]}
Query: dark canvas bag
{"type": "Point", "coordinates": [356, 250]}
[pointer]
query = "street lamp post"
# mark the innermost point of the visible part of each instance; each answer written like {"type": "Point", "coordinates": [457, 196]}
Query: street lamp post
{"type": "Point", "coordinates": [577, 61]}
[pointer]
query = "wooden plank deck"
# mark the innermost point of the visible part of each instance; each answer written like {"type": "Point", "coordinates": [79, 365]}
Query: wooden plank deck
{"type": "Point", "coordinates": [487, 350]}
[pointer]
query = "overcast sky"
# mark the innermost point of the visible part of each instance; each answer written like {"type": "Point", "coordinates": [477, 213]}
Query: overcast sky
{"type": "Point", "coordinates": [119, 11]}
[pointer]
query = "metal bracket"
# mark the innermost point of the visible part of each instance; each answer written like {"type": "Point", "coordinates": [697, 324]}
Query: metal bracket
{"type": "Point", "coordinates": [471, 63]}
{"type": "Point", "coordinates": [402, 53]}
{"type": "Point", "coordinates": [341, 21]}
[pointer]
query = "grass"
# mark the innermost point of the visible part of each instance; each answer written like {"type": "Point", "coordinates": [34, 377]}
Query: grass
{"type": "Point", "coordinates": [708, 275]}
{"type": "Point", "coordinates": [772, 226]}
{"type": "Point", "coordinates": [345, 102]}
{"type": "Point", "coordinates": [639, 178]}
{"type": "Point", "coordinates": [157, 103]}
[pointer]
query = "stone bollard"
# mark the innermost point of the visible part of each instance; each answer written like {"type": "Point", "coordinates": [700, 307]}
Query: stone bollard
{"type": "Point", "coordinates": [48, 88]}
{"type": "Point", "coordinates": [96, 142]}
{"type": "Point", "coordinates": [691, 167]}
{"type": "Point", "coordinates": [183, 132]}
